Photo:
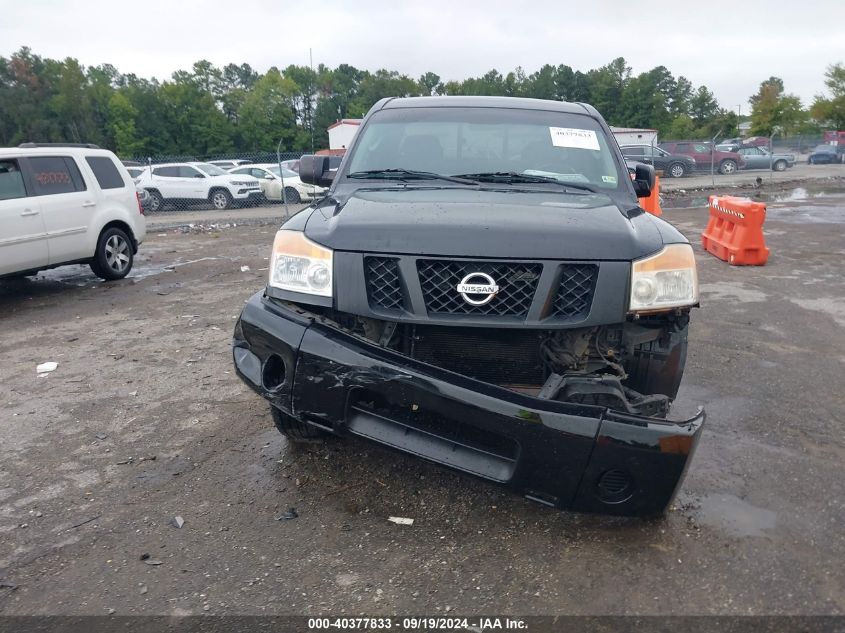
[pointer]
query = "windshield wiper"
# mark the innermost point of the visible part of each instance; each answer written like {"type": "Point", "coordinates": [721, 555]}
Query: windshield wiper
{"type": "Point", "coordinates": [513, 177]}
{"type": "Point", "coordinates": [406, 174]}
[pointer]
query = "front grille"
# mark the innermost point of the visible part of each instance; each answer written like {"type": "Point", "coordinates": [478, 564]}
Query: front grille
{"type": "Point", "coordinates": [384, 287]}
{"type": "Point", "coordinates": [439, 279]}
{"type": "Point", "coordinates": [498, 356]}
{"type": "Point", "coordinates": [575, 291]}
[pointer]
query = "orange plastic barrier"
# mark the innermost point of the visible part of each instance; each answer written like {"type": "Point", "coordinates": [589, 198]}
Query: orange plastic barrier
{"type": "Point", "coordinates": [735, 231]}
{"type": "Point", "coordinates": [652, 203]}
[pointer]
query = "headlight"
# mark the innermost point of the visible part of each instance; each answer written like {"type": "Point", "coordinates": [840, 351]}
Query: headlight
{"type": "Point", "coordinates": [300, 265]}
{"type": "Point", "coordinates": [666, 280]}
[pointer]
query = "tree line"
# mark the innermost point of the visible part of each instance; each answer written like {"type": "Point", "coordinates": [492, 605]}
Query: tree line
{"type": "Point", "coordinates": [209, 110]}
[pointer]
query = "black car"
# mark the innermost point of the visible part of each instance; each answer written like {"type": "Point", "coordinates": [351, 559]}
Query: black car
{"type": "Point", "coordinates": [673, 165]}
{"type": "Point", "coordinates": [481, 289]}
{"type": "Point", "coordinates": [824, 154]}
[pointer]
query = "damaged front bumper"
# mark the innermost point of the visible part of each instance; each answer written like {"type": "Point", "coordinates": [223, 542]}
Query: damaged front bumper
{"type": "Point", "coordinates": [579, 457]}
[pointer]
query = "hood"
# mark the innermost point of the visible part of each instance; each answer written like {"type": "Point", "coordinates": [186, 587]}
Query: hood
{"type": "Point", "coordinates": [482, 223]}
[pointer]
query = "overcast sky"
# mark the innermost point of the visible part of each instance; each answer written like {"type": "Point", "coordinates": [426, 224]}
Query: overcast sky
{"type": "Point", "coordinates": [730, 47]}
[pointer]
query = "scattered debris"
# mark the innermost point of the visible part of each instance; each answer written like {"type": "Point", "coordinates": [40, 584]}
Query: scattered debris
{"type": "Point", "coordinates": [125, 461]}
{"type": "Point", "coordinates": [85, 522]}
{"type": "Point", "coordinates": [144, 556]}
{"type": "Point", "coordinates": [133, 393]}
{"type": "Point", "coordinates": [343, 489]}
{"type": "Point", "coordinates": [100, 436]}
{"type": "Point", "coordinates": [7, 585]}
{"type": "Point", "coordinates": [46, 368]}
{"type": "Point", "coordinates": [178, 522]}
{"type": "Point", "coordinates": [152, 561]}
{"type": "Point", "coordinates": [401, 520]}
{"type": "Point", "coordinates": [287, 516]}
{"type": "Point", "coordinates": [72, 339]}
{"type": "Point", "coordinates": [244, 269]}
{"type": "Point", "coordinates": [143, 589]}
{"type": "Point", "coordinates": [116, 356]}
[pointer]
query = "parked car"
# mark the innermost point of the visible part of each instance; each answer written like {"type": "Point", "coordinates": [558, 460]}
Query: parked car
{"type": "Point", "coordinates": [672, 165]}
{"type": "Point", "coordinates": [187, 183]}
{"type": "Point", "coordinates": [226, 165]}
{"type": "Point", "coordinates": [759, 158]}
{"type": "Point", "coordinates": [292, 164]}
{"type": "Point", "coordinates": [143, 198]}
{"type": "Point", "coordinates": [67, 204]}
{"type": "Point", "coordinates": [136, 172]}
{"type": "Point", "coordinates": [271, 185]}
{"type": "Point", "coordinates": [480, 310]}
{"type": "Point", "coordinates": [723, 162]}
{"type": "Point", "coordinates": [824, 154]}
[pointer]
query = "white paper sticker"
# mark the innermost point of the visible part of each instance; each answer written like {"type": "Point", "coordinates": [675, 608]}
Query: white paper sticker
{"type": "Point", "coordinates": [574, 137]}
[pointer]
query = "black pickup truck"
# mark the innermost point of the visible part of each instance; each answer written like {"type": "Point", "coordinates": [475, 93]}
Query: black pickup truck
{"type": "Point", "coordinates": [480, 288]}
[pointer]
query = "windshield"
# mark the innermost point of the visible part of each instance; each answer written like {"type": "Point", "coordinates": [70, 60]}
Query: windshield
{"type": "Point", "coordinates": [211, 170]}
{"type": "Point", "coordinates": [471, 141]}
{"type": "Point", "coordinates": [286, 173]}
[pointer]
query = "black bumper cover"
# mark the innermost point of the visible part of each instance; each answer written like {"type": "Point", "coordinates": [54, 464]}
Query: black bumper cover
{"type": "Point", "coordinates": [571, 456]}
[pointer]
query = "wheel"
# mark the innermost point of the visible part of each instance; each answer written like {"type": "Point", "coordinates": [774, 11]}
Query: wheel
{"type": "Point", "coordinates": [780, 165]}
{"type": "Point", "coordinates": [113, 258]}
{"type": "Point", "coordinates": [220, 199]}
{"type": "Point", "coordinates": [727, 167]}
{"type": "Point", "coordinates": [677, 170]}
{"type": "Point", "coordinates": [292, 195]}
{"type": "Point", "coordinates": [156, 201]}
{"type": "Point", "coordinates": [294, 430]}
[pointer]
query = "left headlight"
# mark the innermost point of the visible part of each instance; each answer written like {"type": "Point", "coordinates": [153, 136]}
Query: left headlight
{"type": "Point", "coordinates": [668, 279]}
{"type": "Point", "coordinates": [300, 265]}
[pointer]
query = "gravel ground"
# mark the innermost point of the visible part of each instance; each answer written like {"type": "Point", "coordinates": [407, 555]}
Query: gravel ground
{"type": "Point", "coordinates": [144, 420]}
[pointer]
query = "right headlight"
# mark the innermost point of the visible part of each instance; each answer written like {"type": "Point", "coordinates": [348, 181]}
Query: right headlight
{"type": "Point", "coordinates": [300, 265]}
{"type": "Point", "coordinates": [668, 279]}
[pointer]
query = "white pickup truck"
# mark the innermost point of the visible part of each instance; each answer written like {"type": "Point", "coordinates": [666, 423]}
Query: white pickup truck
{"type": "Point", "coordinates": [190, 183]}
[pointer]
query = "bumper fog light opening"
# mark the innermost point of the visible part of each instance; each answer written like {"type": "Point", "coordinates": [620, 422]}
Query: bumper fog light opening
{"type": "Point", "coordinates": [273, 373]}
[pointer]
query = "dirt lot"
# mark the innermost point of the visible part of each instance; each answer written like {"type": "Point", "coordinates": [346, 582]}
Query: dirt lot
{"type": "Point", "coordinates": [144, 420]}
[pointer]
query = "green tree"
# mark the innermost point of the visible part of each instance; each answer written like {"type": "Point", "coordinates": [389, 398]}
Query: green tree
{"type": "Point", "coordinates": [122, 126]}
{"type": "Point", "coordinates": [831, 110]}
{"type": "Point", "coordinates": [772, 110]}
{"type": "Point", "coordinates": [268, 114]}
{"type": "Point", "coordinates": [430, 84]}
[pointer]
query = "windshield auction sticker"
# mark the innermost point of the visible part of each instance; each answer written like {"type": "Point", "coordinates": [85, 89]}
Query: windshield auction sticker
{"type": "Point", "coordinates": [573, 137]}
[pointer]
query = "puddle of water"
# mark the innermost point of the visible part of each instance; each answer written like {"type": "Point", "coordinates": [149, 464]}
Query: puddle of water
{"type": "Point", "coordinates": [81, 275]}
{"type": "Point", "coordinates": [795, 194]}
{"type": "Point", "coordinates": [735, 516]}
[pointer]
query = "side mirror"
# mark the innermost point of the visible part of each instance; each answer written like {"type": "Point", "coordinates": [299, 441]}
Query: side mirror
{"type": "Point", "coordinates": [314, 170]}
{"type": "Point", "coordinates": [643, 180]}
{"type": "Point", "coordinates": [269, 177]}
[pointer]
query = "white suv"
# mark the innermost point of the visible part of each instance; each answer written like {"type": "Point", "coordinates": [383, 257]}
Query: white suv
{"type": "Point", "coordinates": [197, 182]}
{"type": "Point", "coordinates": [67, 204]}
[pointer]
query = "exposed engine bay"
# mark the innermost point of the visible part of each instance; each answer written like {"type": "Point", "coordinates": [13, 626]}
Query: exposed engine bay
{"type": "Point", "coordinates": [634, 367]}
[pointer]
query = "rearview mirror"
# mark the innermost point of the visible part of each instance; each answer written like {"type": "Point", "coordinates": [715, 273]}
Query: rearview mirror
{"type": "Point", "coordinates": [314, 170]}
{"type": "Point", "coordinates": [643, 180]}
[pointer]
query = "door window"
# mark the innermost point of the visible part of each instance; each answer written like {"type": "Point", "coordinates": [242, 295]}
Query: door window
{"type": "Point", "coordinates": [186, 171]}
{"type": "Point", "coordinates": [11, 180]}
{"type": "Point", "coordinates": [55, 174]}
{"type": "Point", "coordinates": [166, 172]}
{"type": "Point", "coordinates": [632, 151]}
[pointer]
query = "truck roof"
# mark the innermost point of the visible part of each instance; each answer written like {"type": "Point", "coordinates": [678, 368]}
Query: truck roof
{"type": "Point", "coordinates": [487, 102]}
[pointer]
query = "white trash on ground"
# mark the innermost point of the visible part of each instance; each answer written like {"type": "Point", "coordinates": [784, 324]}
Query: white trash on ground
{"type": "Point", "coordinates": [45, 368]}
{"type": "Point", "coordinates": [401, 520]}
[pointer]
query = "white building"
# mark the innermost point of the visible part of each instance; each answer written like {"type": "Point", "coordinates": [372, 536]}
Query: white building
{"type": "Point", "coordinates": [634, 136]}
{"type": "Point", "coordinates": [342, 132]}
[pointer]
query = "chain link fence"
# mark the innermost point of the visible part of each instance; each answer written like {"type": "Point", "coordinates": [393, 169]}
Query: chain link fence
{"type": "Point", "coordinates": [176, 182]}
